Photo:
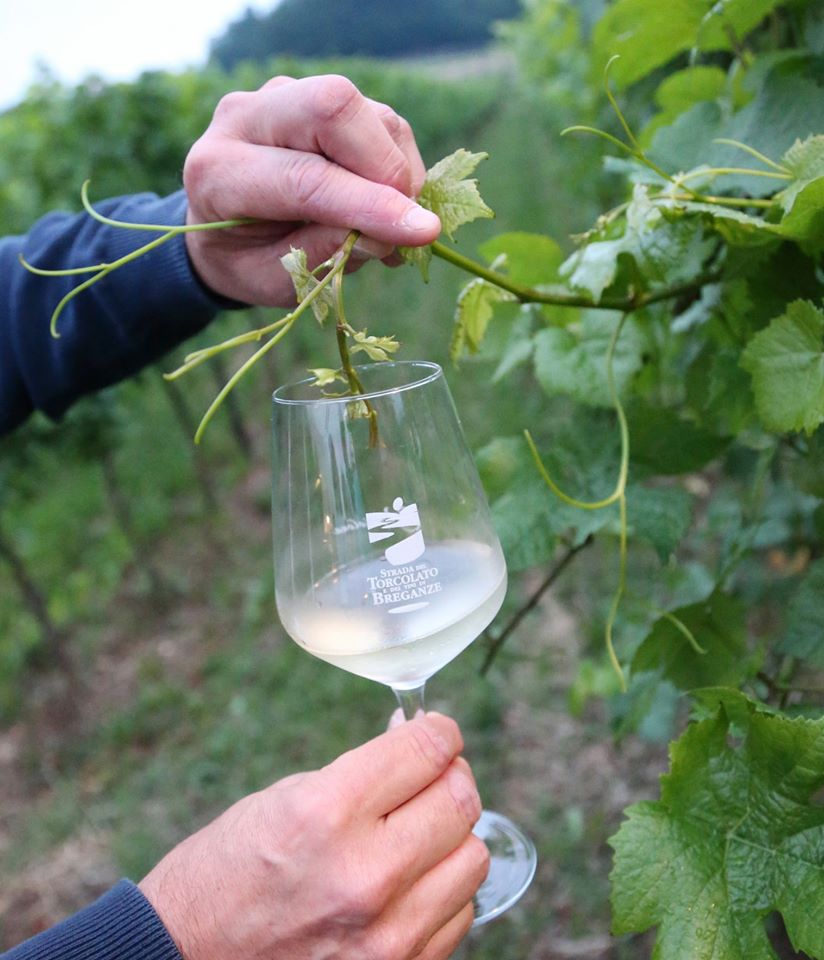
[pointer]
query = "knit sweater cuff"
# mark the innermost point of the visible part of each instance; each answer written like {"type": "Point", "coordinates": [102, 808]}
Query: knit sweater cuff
{"type": "Point", "coordinates": [121, 925]}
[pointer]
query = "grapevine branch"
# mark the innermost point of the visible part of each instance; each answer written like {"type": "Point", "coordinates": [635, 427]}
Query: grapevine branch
{"type": "Point", "coordinates": [636, 300]}
{"type": "Point", "coordinates": [496, 645]}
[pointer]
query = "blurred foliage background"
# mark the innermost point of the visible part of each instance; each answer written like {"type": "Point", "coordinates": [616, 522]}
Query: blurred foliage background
{"type": "Point", "coordinates": [144, 681]}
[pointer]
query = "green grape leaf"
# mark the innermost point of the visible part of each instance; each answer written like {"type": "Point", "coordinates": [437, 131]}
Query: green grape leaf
{"type": "Point", "coordinates": [812, 29]}
{"type": "Point", "coordinates": [582, 456]}
{"type": "Point", "coordinates": [593, 267]}
{"type": "Point", "coordinates": [806, 471]}
{"type": "Point", "coordinates": [728, 21]}
{"type": "Point", "coordinates": [682, 90]}
{"type": "Point", "coordinates": [573, 360]}
{"type": "Point", "coordinates": [420, 257]}
{"type": "Point", "coordinates": [473, 311]}
{"type": "Point", "coordinates": [649, 708]}
{"type": "Point", "coordinates": [688, 583]}
{"type": "Point", "coordinates": [720, 392]}
{"type": "Point", "coordinates": [448, 192]}
{"type": "Point", "coordinates": [718, 626]}
{"type": "Point", "coordinates": [529, 518]}
{"type": "Point", "coordinates": [305, 282]}
{"type": "Point", "coordinates": [737, 706]}
{"type": "Point", "coordinates": [737, 228]}
{"type": "Point", "coordinates": [667, 444]}
{"type": "Point", "coordinates": [805, 161]}
{"type": "Point", "coordinates": [804, 637]}
{"type": "Point", "coordinates": [524, 522]}
{"type": "Point", "coordinates": [733, 837]}
{"type": "Point", "coordinates": [647, 34]}
{"type": "Point", "coordinates": [805, 158]}
{"type": "Point", "coordinates": [376, 348]}
{"type": "Point", "coordinates": [531, 258]}
{"type": "Point", "coordinates": [804, 221]}
{"type": "Point", "coordinates": [661, 516]}
{"type": "Point", "coordinates": [499, 462]}
{"type": "Point", "coordinates": [786, 362]}
{"type": "Point", "coordinates": [663, 251]}
{"type": "Point", "coordinates": [326, 375]}
{"type": "Point", "coordinates": [733, 312]}
{"type": "Point", "coordinates": [785, 105]}
{"type": "Point", "coordinates": [519, 344]}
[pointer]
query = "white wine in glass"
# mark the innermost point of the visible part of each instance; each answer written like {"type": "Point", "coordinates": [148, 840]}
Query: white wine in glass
{"type": "Point", "coordinates": [386, 560]}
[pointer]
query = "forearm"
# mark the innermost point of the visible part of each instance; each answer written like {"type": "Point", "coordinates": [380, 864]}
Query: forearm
{"type": "Point", "coordinates": [107, 333]}
{"type": "Point", "coordinates": [121, 925]}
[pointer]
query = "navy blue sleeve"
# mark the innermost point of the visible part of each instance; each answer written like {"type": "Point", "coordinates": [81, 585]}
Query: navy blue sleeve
{"type": "Point", "coordinates": [121, 925]}
{"type": "Point", "coordinates": [107, 333]}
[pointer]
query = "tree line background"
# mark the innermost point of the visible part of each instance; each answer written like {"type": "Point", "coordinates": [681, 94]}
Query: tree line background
{"type": "Point", "coordinates": [312, 28]}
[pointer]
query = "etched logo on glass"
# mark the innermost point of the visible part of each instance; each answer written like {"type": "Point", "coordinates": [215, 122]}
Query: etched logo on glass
{"type": "Point", "coordinates": [402, 586]}
{"type": "Point", "coordinates": [401, 524]}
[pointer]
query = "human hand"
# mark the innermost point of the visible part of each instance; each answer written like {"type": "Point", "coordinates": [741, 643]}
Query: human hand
{"type": "Point", "coordinates": [313, 158]}
{"type": "Point", "coordinates": [369, 858]}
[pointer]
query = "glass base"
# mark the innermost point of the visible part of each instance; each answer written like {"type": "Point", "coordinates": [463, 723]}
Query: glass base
{"type": "Point", "coordinates": [511, 867]}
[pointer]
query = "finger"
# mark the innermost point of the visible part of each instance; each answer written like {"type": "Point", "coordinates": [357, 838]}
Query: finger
{"type": "Point", "coordinates": [450, 885]}
{"type": "Point", "coordinates": [446, 940]}
{"type": "Point", "coordinates": [278, 81]}
{"type": "Point", "coordinates": [384, 773]}
{"type": "Point", "coordinates": [401, 132]}
{"type": "Point", "coordinates": [396, 719]}
{"type": "Point", "coordinates": [430, 826]}
{"type": "Point", "coordinates": [252, 271]}
{"type": "Point", "coordinates": [276, 184]}
{"type": "Point", "coordinates": [368, 249]}
{"type": "Point", "coordinates": [324, 115]}
{"type": "Point", "coordinates": [433, 905]}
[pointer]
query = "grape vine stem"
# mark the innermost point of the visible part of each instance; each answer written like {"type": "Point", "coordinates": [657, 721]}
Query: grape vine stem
{"type": "Point", "coordinates": [284, 325]}
{"type": "Point", "coordinates": [496, 644]}
{"type": "Point", "coordinates": [342, 333]}
{"type": "Point", "coordinates": [564, 298]}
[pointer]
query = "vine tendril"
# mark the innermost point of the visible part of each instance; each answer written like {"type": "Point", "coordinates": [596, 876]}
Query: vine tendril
{"type": "Point", "coordinates": [619, 496]}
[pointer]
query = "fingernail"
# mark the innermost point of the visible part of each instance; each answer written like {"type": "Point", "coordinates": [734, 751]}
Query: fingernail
{"type": "Point", "coordinates": [464, 793]}
{"type": "Point", "coordinates": [418, 218]}
{"type": "Point", "coordinates": [366, 249]}
{"type": "Point", "coordinates": [396, 719]}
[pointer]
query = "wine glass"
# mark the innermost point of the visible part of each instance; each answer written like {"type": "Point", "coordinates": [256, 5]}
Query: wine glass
{"type": "Point", "coordinates": [386, 560]}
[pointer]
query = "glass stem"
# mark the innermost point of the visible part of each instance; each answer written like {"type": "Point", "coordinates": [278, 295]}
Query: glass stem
{"type": "Point", "coordinates": [411, 701]}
